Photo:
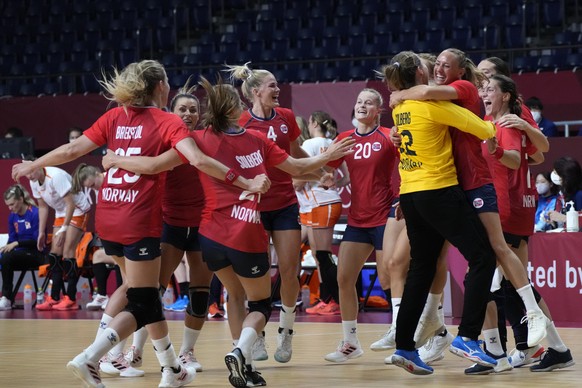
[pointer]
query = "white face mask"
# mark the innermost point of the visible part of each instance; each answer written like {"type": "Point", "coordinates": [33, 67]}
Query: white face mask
{"type": "Point", "coordinates": [355, 122]}
{"type": "Point", "coordinates": [542, 188]}
{"type": "Point", "coordinates": [537, 115]}
{"type": "Point", "coordinates": [556, 178]}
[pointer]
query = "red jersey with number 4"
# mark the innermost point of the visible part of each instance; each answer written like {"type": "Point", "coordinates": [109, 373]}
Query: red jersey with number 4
{"type": "Point", "coordinates": [183, 198]}
{"type": "Point", "coordinates": [281, 128]}
{"type": "Point", "coordinates": [472, 169]}
{"type": "Point", "coordinates": [231, 216]}
{"type": "Point", "coordinates": [371, 166]}
{"type": "Point", "coordinates": [130, 205]}
{"type": "Point", "coordinates": [516, 193]}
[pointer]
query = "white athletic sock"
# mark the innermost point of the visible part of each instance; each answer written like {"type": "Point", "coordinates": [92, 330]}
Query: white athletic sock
{"type": "Point", "coordinates": [189, 340]}
{"type": "Point", "coordinates": [103, 324]}
{"type": "Point", "coordinates": [433, 302]}
{"type": "Point", "coordinates": [102, 344]}
{"type": "Point", "coordinates": [554, 340]}
{"type": "Point", "coordinates": [492, 341]}
{"type": "Point", "coordinates": [248, 336]}
{"type": "Point", "coordinates": [118, 349]}
{"type": "Point", "coordinates": [139, 339]}
{"type": "Point", "coordinates": [529, 300]}
{"type": "Point", "coordinates": [395, 309]}
{"type": "Point", "coordinates": [350, 329]}
{"type": "Point", "coordinates": [234, 343]}
{"type": "Point", "coordinates": [165, 352]}
{"type": "Point", "coordinates": [287, 317]}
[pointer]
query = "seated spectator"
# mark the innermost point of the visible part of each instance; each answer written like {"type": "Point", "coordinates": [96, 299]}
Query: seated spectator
{"type": "Point", "coordinates": [547, 126]}
{"type": "Point", "coordinates": [20, 253]}
{"type": "Point", "coordinates": [548, 194]}
{"type": "Point", "coordinates": [568, 175]}
{"type": "Point", "coordinates": [74, 133]}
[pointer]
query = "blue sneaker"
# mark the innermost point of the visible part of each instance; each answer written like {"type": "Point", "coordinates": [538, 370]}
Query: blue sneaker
{"type": "Point", "coordinates": [471, 350]}
{"type": "Point", "coordinates": [180, 304]}
{"type": "Point", "coordinates": [411, 362]}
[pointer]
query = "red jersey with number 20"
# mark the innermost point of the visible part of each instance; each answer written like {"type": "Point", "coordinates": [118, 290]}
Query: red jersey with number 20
{"type": "Point", "coordinates": [281, 128]}
{"type": "Point", "coordinates": [371, 166]}
{"type": "Point", "coordinates": [231, 216]}
{"type": "Point", "coordinates": [130, 205]}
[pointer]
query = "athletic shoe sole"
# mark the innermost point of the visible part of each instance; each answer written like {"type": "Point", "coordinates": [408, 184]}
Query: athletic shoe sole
{"type": "Point", "coordinates": [409, 366]}
{"type": "Point", "coordinates": [462, 353]}
{"type": "Point", "coordinates": [237, 375]}
{"type": "Point", "coordinates": [76, 370]}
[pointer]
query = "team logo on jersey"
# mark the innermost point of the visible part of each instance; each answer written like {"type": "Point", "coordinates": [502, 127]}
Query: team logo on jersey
{"type": "Point", "coordinates": [478, 203]}
{"type": "Point", "coordinates": [376, 146]}
{"type": "Point", "coordinates": [284, 128]}
{"type": "Point", "coordinates": [26, 225]}
{"type": "Point", "coordinates": [255, 270]}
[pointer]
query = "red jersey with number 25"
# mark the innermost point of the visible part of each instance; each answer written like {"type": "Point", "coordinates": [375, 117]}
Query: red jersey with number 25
{"type": "Point", "coordinates": [281, 128]}
{"type": "Point", "coordinates": [371, 166]}
{"type": "Point", "coordinates": [130, 205]}
{"type": "Point", "coordinates": [231, 216]}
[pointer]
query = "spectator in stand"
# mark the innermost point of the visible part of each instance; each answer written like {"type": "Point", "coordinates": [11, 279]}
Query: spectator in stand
{"type": "Point", "coordinates": [20, 252]}
{"type": "Point", "coordinates": [13, 132]}
{"type": "Point", "coordinates": [547, 126]}
{"type": "Point", "coordinates": [74, 133]}
{"type": "Point", "coordinates": [303, 126]}
{"type": "Point", "coordinates": [548, 194]}
{"type": "Point", "coordinates": [568, 175]}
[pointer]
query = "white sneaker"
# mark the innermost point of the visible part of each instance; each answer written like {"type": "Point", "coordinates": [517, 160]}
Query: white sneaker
{"type": "Point", "coordinates": [97, 302]}
{"type": "Point", "coordinates": [388, 360]}
{"type": "Point", "coordinates": [172, 378]}
{"type": "Point", "coordinates": [519, 358]}
{"type": "Point", "coordinates": [536, 327]}
{"type": "Point", "coordinates": [434, 349]}
{"type": "Point", "coordinates": [5, 304]}
{"type": "Point", "coordinates": [388, 341]}
{"type": "Point", "coordinates": [284, 350]}
{"type": "Point", "coordinates": [189, 359]}
{"type": "Point", "coordinates": [134, 357]}
{"type": "Point", "coordinates": [259, 350]}
{"type": "Point", "coordinates": [427, 328]}
{"type": "Point", "coordinates": [345, 351]}
{"type": "Point", "coordinates": [86, 370]}
{"type": "Point", "coordinates": [118, 364]}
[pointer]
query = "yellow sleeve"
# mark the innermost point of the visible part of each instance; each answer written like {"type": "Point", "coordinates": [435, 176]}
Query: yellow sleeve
{"type": "Point", "coordinates": [448, 113]}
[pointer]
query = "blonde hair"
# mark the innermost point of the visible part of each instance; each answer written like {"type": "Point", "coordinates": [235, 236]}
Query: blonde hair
{"type": "Point", "coordinates": [135, 84]}
{"type": "Point", "coordinates": [325, 122]}
{"type": "Point", "coordinates": [80, 175]}
{"type": "Point", "coordinates": [17, 192]}
{"type": "Point", "coordinates": [400, 74]}
{"type": "Point", "coordinates": [472, 73]}
{"type": "Point", "coordinates": [251, 78]}
{"type": "Point", "coordinates": [303, 126]}
{"type": "Point", "coordinates": [223, 105]}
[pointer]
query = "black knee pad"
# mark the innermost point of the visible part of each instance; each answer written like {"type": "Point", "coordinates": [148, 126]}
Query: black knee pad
{"type": "Point", "coordinates": [70, 269]}
{"type": "Point", "coordinates": [198, 304]}
{"type": "Point", "coordinates": [53, 260]}
{"type": "Point", "coordinates": [145, 305]}
{"type": "Point", "coordinates": [262, 306]}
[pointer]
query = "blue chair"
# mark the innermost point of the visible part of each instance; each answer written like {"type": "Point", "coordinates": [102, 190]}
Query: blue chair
{"type": "Point", "coordinates": [514, 36]}
{"type": "Point", "coordinates": [553, 13]}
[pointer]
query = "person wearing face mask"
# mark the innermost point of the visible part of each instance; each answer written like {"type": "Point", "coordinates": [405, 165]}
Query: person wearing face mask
{"type": "Point", "coordinates": [568, 175]}
{"type": "Point", "coordinates": [547, 126]}
{"type": "Point", "coordinates": [548, 194]}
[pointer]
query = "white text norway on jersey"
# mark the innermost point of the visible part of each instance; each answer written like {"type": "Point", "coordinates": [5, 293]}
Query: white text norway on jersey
{"type": "Point", "coordinates": [245, 214]}
{"type": "Point", "coordinates": [116, 195]}
{"type": "Point", "coordinates": [127, 133]}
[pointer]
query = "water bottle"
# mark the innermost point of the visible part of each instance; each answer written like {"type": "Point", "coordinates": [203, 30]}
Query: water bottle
{"type": "Point", "coordinates": [39, 296]}
{"type": "Point", "coordinates": [27, 297]}
{"type": "Point", "coordinates": [572, 218]}
{"type": "Point", "coordinates": [85, 291]}
{"type": "Point", "coordinates": [49, 289]}
{"type": "Point", "coordinates": [305, 296]}
{"type": "Point", "coordinates": [168, 298]}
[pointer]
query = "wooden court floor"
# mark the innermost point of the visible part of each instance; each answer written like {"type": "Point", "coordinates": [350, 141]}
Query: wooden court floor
{"type": "Point", "coordinates": [33, 353]}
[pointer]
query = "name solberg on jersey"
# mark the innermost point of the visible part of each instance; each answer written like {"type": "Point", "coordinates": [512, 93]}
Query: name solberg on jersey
{"type": "Point", "coordinates": [243, 213]}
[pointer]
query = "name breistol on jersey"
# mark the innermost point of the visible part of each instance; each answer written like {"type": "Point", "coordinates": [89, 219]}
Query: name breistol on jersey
{"type": "Point", "coordinates": [126, 133]}
{"type": "Point", "coordinates": [251, 160]}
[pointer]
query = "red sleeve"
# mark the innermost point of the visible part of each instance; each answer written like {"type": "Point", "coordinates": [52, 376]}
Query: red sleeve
{"type": "Point", "coordinates": [336, 163]}
{"type": "Point", "coordinates": [294, 131]}
{"type": "Point", "coordinates": [466, 91]}
{"type": "Point", "coordinates": [173, 129]}
{"type": "Point", "coordinates": [97, 133]}
{"type": "Point", "coordinates": [530, 149]}
{"type": "Point", "coordinates": [510, 139]}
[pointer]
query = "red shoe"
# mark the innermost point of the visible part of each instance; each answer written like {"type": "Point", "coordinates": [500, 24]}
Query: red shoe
{"type": "Point", "coordinates": [214, 311]}
{"type": "Point", "coordinates": [66, 304]}
{"type": "Point", "coordinates": [315, 309]}
{"type": "Point", "coordinates": [332, 308]}
{"type": "Point", "coordinates": [47, 304]}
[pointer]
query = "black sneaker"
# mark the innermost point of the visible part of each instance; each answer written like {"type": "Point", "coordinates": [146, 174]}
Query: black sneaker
{"type": "Point", "coordinates": [254, 378]}
{"type": "Point", "coordinates": [552, 359]}
{"type": "Point", "coordinates": [235, 363]}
